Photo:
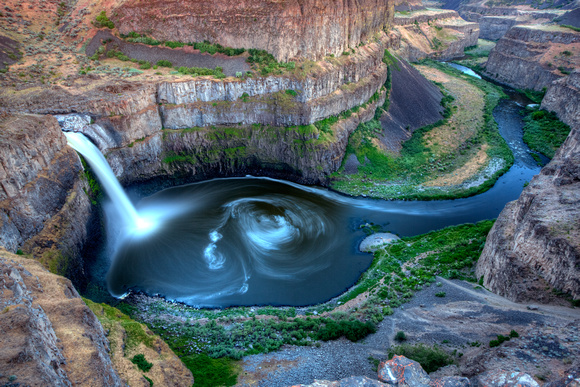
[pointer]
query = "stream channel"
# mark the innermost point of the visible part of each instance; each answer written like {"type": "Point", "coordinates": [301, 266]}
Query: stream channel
{"type": "Point", "coordinates": [259, 241]}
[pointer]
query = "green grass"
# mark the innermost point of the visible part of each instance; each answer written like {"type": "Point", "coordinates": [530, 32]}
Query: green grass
{"type": "Point", "coordinates": [418, 163]}
{"type": "Point", "coordinates": [544, 132]}
{"type": "Point", "coordinates": [141, 363]}
{"type": "Point", "coordinates": [208, 372]}
{"type": "Point", "coordinates": [570, 27]}
{"type": "Point", "coordinates": [430, 358]}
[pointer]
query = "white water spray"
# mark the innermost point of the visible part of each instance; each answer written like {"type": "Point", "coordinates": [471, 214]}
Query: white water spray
{"type": "Point", "coordinates": [107, 178]}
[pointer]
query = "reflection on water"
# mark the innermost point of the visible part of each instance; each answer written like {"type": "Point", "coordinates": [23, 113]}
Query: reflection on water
{"type": "Point", "coordinates": [251, 241]}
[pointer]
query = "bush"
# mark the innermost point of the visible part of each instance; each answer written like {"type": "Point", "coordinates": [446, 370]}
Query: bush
{"type": "Point", "coordinates": [400, 336]}
{"type": "Point", "coordinates": [164, 63]}
{"type": "Point", "coordinates": [142, 363]}
{"type": "Point", "coordinates": [430, 358]}
{"type": "Point", "coordinates": [103, 21]}
{"type": "Point", "coordinates": [209, 372]}
{"type": "Point", "coordinates": [514, 334]}
{"type": "Point", "coordinates": [353, 330]}
{"type": "Point", "coordinates": [440, 294]}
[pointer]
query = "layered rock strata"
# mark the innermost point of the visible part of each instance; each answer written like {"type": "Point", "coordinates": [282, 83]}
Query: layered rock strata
{"type": "Point", "coordinates": [440, 35]}
{"type": "Point", "coordinates": [190, 130]}
{"type": "Point", "coordinates": [43, 205]}
{"type": "Point", "coordinates": [49, 336]}
{"type": "Point", "coordinates": [535, 241]}
{"type": "Point", "coordinates": [527, 57]}
{"type": "Point", "coordinates": [563, 98]}
{"type": "Point", "coordinates": [287, 29]}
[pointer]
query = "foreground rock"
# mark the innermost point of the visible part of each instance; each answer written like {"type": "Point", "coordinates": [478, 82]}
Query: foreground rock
{"type": "Point", "coordinates": [535, 241]}
{"type": "Point", "coordinates": [49, 336]}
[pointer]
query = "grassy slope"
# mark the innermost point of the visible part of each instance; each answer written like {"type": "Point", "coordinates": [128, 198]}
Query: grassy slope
{"type": "Point", "coordinates": [433, 152]}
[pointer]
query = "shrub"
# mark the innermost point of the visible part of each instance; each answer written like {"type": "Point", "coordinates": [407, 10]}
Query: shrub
{"type": "Point", "coordinates": [142, 363]}
{"type": "Point", "coordinates": [145, 66]}
{"type": "Point", "coordinates": [499, 341]}
{"type": "Point", "coordinates": [291, 92]}
{"type": "Point", "coordinates": [514, 334]}
{"type": "Point", "coordinates": [430, 358]}
{"type": "Point", "coordinates": [400, 336]}
{"type": "Point", "coordinates": [440, 294]}
{"type": "Point", "coordinates": [209, 372]}
{"type": "Point", "coordinates": [164, 63]}
{"type": "Point", "coordinates": [103, 21]}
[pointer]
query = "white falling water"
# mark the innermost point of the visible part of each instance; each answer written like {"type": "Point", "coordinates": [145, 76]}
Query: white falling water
{"type": "Point", "coordinates": [107, 178]}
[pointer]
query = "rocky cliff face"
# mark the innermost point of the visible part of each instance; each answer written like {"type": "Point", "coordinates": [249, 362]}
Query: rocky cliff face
{"type": "Point", "coordinates": [536, 239]}
{"type": "Point", "coordinates": [562, 98]}
{"type": "Point", "coordinates": [287, 29]}
{"type": "Point", "coordinates": [530, 57]}
{"type": "Point", "coordinates": [229, 126]}
{"type": "Point", "coordinates": [43, 205]}
{"type": "Point", "coordinates": [49, 336]}
{"type": "Point", "coordinates": [440, 35]}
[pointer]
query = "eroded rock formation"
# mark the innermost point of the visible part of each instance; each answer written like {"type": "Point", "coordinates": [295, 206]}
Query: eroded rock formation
{"type": "Point", "coordinates": [49, 336]}
{"type": "Point", "coordinates": [535, 241]}
{"type": "Point", "coordinates": [530, 57]}
{"type": "Point", "coordinates": [43, 205]}
{"type": "Point", "coordinates": [435, 34]}
{"type": "Point", "coordinates": [287, 29]}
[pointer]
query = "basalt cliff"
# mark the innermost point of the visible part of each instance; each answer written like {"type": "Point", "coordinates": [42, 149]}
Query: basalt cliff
{"type": "Point", "coordinates": [534, 246]}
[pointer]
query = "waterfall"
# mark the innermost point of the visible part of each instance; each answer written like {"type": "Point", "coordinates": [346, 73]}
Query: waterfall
{"type": "Point", "coordinates": [107, 178]}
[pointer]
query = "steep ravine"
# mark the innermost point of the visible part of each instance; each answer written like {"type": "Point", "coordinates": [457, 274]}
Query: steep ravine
{"type": "Point", "coordinates": [534, 245]}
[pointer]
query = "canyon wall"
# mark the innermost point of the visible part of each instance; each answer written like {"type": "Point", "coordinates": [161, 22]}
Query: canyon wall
{"type": "Point", "coordinates": [186, 129]}
{"type": "Point", "coordinates": [535, 243]}
{"type": "Point", "coordinates": [43, 205]}
{"type": "Point", "coordinates": [530, 57]}
{"type": "Point", "coordinates": [287, 29]}
{"type": "Point", "coordinates": [440, 35]}
{"type": "Point", "coordinates": [49, 336]}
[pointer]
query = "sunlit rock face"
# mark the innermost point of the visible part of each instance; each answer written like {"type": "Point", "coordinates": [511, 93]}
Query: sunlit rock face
{"type": "Point", "coordinates": [287, 29]}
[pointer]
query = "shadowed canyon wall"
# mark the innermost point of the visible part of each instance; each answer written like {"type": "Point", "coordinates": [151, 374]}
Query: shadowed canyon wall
{"type": "Point", "coordinates": [287, 29]}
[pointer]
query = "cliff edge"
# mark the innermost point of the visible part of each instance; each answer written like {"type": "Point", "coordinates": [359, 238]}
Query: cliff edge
{"type": "Point", "coordinates": [535, 243]}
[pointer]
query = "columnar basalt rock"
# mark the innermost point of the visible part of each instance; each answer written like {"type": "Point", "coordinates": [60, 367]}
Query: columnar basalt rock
{"type": "Point", "coordinates": [287, 29]}
{"type": "Point", "coordinates": [527, 56]}
{"type": "Point", "coordinates": [535, 241]}
{"type": "Point", "coordinates": [49, 336]}
{"type": "Point", "coordinates": [43, 204]}
{"type": "Point", "coordinates": [562, 97]}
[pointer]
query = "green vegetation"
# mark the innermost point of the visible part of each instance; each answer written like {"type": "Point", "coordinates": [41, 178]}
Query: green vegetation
{"type": "Point", "coordinates": [164, 63]}
{"type": "Point", "coordinates": [199, 71]}
{"type": "Point", "coordinates": [570, 27]}
{"type": "Point", "coordinates": [210, 349]}
{"type": "Point", "coordinates": [386, 175]}
{"type": "Point", "coordinates": [544, 132]}
{"type": "Point", "coordinates": [501, 339]}
{"type": "Point", "coordinates": [400, 336]}
{"type": "Point", "coordinates": [103, 21]}
{"type": "Point", "coordinates": [142, 363]}
{"type": "Point", "coordinates": [374, 362]}
{"type": "Point", "coordinates": [440, 294]}
{"type": "Point", "coordinates": [533, 95]}
{"type": "Point", "coordinates": [95, 193]}
{"type": "Point", "coordinates": [430, 358]}
{"type": "Point", "coordinates": [208, 372]}
{"type": "Point", "coordinates": [110, 317]}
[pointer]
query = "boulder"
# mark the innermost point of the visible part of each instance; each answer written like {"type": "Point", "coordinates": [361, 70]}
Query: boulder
{"type": "Point", "coordinates": [400, 371]}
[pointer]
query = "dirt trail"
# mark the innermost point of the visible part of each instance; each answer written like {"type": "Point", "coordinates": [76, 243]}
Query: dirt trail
{"type": "Point", "coordinates": [465, 320]}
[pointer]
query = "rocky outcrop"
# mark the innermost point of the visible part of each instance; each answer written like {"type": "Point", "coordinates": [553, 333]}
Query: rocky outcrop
{"type": "Point", "coordinates": [527, 56]}
{"type": "Point", "coordinates": [494, 27]}
{"type": "Point", "coordinates": [49, 336]}
{"type": "Point", "coordinates": [536, 239]}
{"type": "Point", "coordinates": [562, 97]}
{"type": "Point", "coordinates": [286, 29]}
{"type": "Point", "coordinates": [43, 205]}
{"type": "Point", "coordinates": [229, 126]}
{"type": "Point", "coordinates": [414, 102]}
{"type": "Point", "coordinates": [440, 35]}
